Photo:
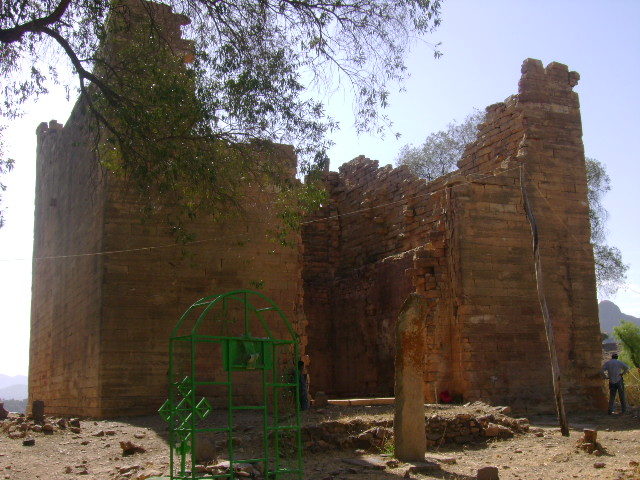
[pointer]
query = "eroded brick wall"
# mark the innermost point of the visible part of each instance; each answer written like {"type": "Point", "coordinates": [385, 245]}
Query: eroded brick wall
{"type": "Point", "coordinates": [145, 292]}
{"type": "Point", "coordinates": [470, 247]}
{"type": "Point", "coordinates": [364, 252]}
{"type": "Point", "coordinates": [64, 360]}
{"type": "Point", "coordinates": [101, 323]}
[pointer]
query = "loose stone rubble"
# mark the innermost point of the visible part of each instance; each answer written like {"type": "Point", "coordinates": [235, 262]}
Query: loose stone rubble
{"type": "Point", "coordinates": [440, 430]}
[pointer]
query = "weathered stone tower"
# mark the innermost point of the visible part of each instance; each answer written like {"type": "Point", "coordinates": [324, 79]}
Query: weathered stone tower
{"type": "Point", "coordinates": [103, 303]}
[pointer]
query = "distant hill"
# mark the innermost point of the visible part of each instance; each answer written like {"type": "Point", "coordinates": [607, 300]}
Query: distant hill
{"type": "Point", "coordinates": [7, 381]}
{"type": "Point", "coordinates": [610, 316]}
{"type": "Point", "coordinates": [18, 406]}
{"type": "Point", "coordinates": [14, 392]}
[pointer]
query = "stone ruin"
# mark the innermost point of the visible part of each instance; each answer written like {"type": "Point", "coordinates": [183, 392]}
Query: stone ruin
{"type": "Point", "coordinates": [100, 323]}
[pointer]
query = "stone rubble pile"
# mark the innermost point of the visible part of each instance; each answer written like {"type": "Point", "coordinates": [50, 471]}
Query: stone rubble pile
{"type": "Point", "coordinates": [17, 426]}
{"type": "Point", "coordinates": [441, 429]}
{"type": "Point", "coordinates": [243, 470]}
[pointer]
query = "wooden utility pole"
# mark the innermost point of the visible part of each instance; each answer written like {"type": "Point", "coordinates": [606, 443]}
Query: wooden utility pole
{"type": "Point", "coordinates": [548, 324]}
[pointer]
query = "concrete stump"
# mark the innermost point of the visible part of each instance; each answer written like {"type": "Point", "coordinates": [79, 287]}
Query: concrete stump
{"type": "Point", "coordinates": [37, 411]}
{"type": "Point", "coordinates": [409, 424]}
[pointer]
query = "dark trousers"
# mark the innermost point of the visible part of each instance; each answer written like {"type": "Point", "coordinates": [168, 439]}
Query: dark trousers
{"type": "Point", "coordinates": [619, 389]}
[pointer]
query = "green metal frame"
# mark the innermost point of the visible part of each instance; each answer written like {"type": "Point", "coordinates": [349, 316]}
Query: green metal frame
{"type": "Point", "coordinates": [183, 411]}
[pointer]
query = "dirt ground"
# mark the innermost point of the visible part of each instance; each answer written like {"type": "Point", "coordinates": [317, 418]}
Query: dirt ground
{"type": "Point", "coordinates": [95, 452]}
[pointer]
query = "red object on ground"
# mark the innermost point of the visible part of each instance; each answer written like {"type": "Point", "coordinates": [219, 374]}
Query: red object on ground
{"type": "Point", "coordinates": [445, 397]}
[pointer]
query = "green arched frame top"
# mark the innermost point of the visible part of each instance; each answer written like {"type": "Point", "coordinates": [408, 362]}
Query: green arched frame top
{"type": "Point", "coordinates": [243, 296]}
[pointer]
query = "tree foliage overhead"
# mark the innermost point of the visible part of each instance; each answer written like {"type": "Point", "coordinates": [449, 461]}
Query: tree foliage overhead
{"type": "Point", "coordinates": [629, 335]}
{"type": "Point", "coordinates": [611, 271]}
{"type": "Point", "coordinates": [179, 130]}
{"type": "Point", "coordinates": [441, 151]}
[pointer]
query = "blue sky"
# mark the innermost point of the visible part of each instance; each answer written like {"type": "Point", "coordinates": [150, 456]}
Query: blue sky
{"type": "Point", "coordinates": [484, 44]}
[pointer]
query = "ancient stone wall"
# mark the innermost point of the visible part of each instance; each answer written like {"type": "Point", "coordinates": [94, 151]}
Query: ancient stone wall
{"type": "Point", "coordinates": [465, 240]}
{"type": "Point", "coordinates": [364, 252]}
{"type": "Point", "coordinates": [145, 292]}
{"type": "Point", "coordinates": [103, 312]}
{"type": "Point", "coordinates": [110, 283]}
{"type": "Point", "coordinates": [64, 361]}
{"type": "Point", "coordinates": [101, 323]}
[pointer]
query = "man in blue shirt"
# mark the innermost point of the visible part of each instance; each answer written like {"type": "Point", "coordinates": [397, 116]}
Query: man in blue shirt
{"type": "Point", "coordinates": [614, 369]}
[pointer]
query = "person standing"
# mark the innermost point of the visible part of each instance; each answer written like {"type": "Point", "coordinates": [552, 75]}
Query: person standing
{"type": "Point", "coordinates": [303, 386]}
{"type": "Point", "coordinates": [614, 369]}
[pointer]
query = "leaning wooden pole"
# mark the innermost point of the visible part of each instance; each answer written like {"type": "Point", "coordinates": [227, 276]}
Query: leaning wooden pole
{"type": "Point", "coordinates": [548, 324]}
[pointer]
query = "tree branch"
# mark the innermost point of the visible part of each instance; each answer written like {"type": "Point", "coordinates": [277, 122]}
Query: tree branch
{"type": "Point", "coordinates": [10, 35]}
{"type": "Point", "coordinates": [112, 96]}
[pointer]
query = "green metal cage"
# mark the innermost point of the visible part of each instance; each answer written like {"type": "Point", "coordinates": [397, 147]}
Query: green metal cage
{"type": "Point", "coordinates": [231, 355]}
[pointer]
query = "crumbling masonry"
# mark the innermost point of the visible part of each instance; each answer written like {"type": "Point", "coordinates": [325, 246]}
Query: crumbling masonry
{"type": "Point", "coordinates": [100, 323]}
{"type": "Point", "coordinates": [464, 239]}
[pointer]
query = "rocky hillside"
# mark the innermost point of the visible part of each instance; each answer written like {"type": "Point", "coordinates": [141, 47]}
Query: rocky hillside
{"type": "Point", "coordinates": [610, 316]}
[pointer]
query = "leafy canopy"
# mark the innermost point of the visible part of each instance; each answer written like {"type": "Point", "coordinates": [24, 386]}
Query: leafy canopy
{"type": "Point", "coordinates": [182, 132]}
{"type": "Point", "coordinates": [629, 335]}
{"type": "Point", "coordinates": [440, 152]}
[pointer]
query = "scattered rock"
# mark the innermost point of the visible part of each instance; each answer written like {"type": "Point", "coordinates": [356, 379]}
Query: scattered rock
{"type": "Point", "coordinates": [130, 448]}
{"type": "Point", "coordinates": [366, 462]}
{"type": "Point", "coordinates": [599, 465]}
{"type": "Point", "coordinates": [29, 442]}
{"type": "Point", "coordinates": [128, 471]}
{"type": "Point", "coordinates": [62, 423]}
{"type": "Point", "coordinates": [48, 428]}
{"type": "Point", "coordinates": [74, 429]}
{"type": "Point", "coordinates": [75, 422]}
{"type": "Point", "coordinates": [241, 469]}
{"type": "Point", "coordinates": [423, 467]}
{"type": "Point", "coordinates": [81, 470]}
{"type": "Point", "coordinates": [496, 430]}
{"type": "Point", "coordinates": [488, 473]}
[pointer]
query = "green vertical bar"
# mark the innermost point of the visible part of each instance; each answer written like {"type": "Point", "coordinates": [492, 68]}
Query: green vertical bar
{"type": "Point", "coordinates": [276, 421]}
{"type": "Point", "coordinates": [247, 330]}
{"type": "Point", "coordinates": [192, 396]}
{"type": "Point", "coordinates": [230, 412]}
{"type": "Point", "coordinates": [265, 413]}
{"type": "Point", "coordinates": [172, 411]}
{"type": "Point", "coordinates": [296, 359]}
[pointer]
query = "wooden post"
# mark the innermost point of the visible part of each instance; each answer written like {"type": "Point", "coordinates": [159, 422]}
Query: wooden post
{"type": "Point", "coordinates": [548, 324]}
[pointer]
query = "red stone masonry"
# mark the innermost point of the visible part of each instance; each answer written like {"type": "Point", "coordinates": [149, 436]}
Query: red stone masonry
{"type": "Point", "coordinates": [100, 323]}
{"type": "Point", "coordinates": [464, 239]}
